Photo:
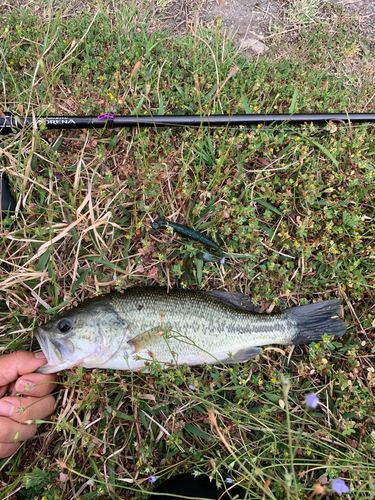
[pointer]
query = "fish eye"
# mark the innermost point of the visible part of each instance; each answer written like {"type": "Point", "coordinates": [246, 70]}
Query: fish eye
{"type": "Point", "coordinates": [64, 325]}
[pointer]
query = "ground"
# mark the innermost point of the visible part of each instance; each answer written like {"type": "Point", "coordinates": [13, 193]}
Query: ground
{"type": "Point", "coordinates": [263, 20]}
{"type": "Point", "coordinates": [291, 207]}
{"type": "Point", "coordinates": [249, 20]}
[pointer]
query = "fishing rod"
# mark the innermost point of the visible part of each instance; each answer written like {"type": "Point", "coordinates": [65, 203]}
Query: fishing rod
{"type": "Point", "coordinates": [10, 123]}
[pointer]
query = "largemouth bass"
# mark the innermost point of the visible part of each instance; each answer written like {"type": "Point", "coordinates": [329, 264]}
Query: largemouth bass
{"type": "Point", "coordinates": [126, 331]}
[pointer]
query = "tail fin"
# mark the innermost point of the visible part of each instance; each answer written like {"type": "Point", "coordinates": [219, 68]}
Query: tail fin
{"type": "Point", "coordinates": [314, 320]}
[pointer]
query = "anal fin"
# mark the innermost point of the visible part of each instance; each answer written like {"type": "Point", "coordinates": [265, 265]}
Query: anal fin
{"type": "Point", "coordinates": [242, 355]}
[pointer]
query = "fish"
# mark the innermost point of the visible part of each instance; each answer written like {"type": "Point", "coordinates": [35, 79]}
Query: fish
{"type": "Point", "coordinates": [128, 330]}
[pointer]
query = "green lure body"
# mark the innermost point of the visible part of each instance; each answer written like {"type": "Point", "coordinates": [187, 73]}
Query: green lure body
{"type": "Point", "coordinates": [193, 235]}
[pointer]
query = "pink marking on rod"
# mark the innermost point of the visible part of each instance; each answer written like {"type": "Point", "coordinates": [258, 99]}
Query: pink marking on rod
{"type": "Point", "coordinates": [106, 116]}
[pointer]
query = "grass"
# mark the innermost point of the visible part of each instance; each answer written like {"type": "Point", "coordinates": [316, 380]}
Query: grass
{"type": "Point", "coordinates": [291, 207]}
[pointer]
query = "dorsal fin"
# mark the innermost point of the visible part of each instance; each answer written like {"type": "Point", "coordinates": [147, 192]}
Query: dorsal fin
{"type": "Point", "coordinates": [235, 299]}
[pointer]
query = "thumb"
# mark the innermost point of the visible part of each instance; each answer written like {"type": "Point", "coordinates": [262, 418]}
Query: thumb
{"type": "Point", "coordinates": [18, 363]}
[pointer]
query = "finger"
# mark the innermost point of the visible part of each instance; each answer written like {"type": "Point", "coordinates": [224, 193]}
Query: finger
{"type": "Point", "coordinates": [23, 408]}
{"type": "Point", "coordinates": [12, 389]}
{"type": "Point", "coordinates": [18, 363]}
{"type": "Point", "coordinates": [12, 432]}
{"type": "Point", "coordinates": [36, 384]}
{"type": "Point", "coordinates": [6, 449]}
{"type": "Point", "coordinates": [4, 390]}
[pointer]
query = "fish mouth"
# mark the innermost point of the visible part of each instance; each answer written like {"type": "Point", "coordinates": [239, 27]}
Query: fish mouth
{"type": "Point", "coordinates": [46, 345]}
{"type": "Point", "coordinates": [41, 337]}
{"type": "Point", "coordinates": [58, 353]}
{"type": "Point", "coordinates": [51, 347]}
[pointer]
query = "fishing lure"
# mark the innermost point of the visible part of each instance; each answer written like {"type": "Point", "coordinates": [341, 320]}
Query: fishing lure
{"type": "Point", "coordinates": [193, 235]}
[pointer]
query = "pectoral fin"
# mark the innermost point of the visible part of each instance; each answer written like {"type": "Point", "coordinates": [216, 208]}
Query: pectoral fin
{"type": "Point", "coordinates": [149, 338]}
{"type": "Point", "coordinates": [242, 355]}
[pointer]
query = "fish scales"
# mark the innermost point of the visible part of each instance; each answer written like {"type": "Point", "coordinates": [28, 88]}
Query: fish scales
{"type": "Point", "coordinates": [196, 315]}
{"type": "Point", "coordinates": [127, 330]}
{"type": "Point", "coordinates": [201, 318]}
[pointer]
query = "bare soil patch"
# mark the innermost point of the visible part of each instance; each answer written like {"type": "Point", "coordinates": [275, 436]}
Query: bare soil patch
{"type": "Point", "coordinates": [248, 20]}
{"type": "Point", "coordinates": [261, 20]}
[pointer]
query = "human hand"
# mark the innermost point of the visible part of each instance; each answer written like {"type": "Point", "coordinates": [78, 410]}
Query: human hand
{"type": "Point", "coordinates": [18, 381]}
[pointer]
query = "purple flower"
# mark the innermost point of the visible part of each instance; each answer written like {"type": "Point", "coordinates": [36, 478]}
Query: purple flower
{"type": "Point", "coordinates": [222, 260]}
{"type": "Point", "coordinates": [192, 387]}
{"type": "Point", "coordinates": [151, 479]}
{"type": "Point", "coordinates": [339, 486]}
{"type": "Point", "coordinates": [228, 480]}
{"type": "Point", "coordinates": [311, 400]}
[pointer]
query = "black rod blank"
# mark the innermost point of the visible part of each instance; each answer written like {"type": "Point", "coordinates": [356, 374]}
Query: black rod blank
{"type": "Point", "coordinates": [11, 123]}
